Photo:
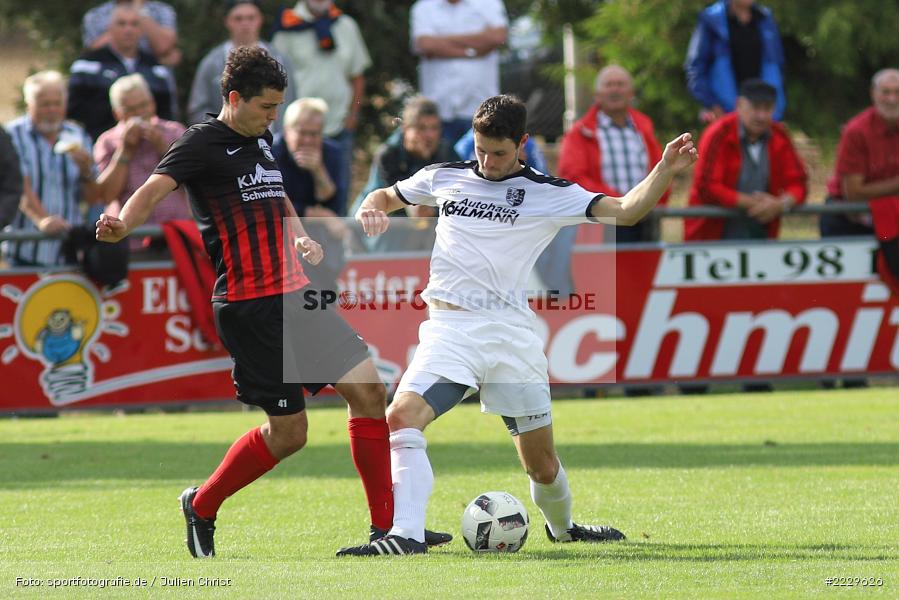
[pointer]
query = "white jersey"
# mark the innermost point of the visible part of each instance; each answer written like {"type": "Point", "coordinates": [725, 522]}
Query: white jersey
{"type": "Point", "coordinates": [490, 233]}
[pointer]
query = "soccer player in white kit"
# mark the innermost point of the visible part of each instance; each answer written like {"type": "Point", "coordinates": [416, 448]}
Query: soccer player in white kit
{"type": "Point", "coordinates": [496, 217]}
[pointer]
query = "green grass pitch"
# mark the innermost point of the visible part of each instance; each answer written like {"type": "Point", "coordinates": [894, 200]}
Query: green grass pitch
{"type": "Point", "coordinates": [728, 496]}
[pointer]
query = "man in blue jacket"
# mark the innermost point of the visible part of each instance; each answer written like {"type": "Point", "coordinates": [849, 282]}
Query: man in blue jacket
{"type": "Point", "coordinates": [734, 40]}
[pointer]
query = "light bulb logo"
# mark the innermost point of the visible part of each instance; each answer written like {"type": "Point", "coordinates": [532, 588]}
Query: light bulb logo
{"type": "Point", "coordinates": [57, 322]}
{"type": "Point", "coordinates": [60, 340]}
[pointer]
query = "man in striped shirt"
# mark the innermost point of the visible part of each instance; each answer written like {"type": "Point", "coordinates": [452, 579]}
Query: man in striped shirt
{"type": "Point", "coordinates": [612, 147]}
{"type": "Point", "coordinates": [57, 168]}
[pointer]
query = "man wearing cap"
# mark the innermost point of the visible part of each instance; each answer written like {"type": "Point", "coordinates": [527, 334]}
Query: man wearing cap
{"type": "Point", "coordinates": [243, 20]}
{"type": "Point", "coordinates": [746, 161]}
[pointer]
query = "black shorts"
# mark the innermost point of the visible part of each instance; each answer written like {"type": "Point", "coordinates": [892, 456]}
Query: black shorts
{"type": "Point", "coordinates": [280, 345]}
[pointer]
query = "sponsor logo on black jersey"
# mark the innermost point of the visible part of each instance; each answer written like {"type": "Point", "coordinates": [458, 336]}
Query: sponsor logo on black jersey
{"type": "Point", "coordinates": [266, 150]}
{"type": "Point", "coordinates": [261, 176]}
{"type": "Point", "coordinates": [262, 183]}
{"type": "Point", "coordinates": [514, 196]}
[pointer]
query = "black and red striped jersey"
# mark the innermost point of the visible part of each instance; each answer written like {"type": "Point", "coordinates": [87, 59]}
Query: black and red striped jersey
{"type": "Point", "coordinates": [238, 200]}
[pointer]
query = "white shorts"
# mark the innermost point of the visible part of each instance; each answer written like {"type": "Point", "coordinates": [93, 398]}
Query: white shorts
{"type": "Point", "coordinates": [504, 362]}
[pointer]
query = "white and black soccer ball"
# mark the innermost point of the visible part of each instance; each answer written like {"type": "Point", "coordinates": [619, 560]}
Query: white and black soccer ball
{"type": "Point", "coordinates": [495, 522]}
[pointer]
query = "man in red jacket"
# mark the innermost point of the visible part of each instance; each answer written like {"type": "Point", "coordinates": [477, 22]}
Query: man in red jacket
{"type": "Point", "coordinates": [612, 147]}
{"type": "Point", "coordinates": [609, 150]}
{"type": "Point", "coordinates": [746, 161]}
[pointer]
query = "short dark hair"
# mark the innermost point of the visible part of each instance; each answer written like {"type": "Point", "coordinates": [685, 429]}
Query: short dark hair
{"type": "Point", "coordinates": [758, 91]}
{"type": "Point", "coordinates": [501, 117]}
{"type": "Point", "coordinates": [249, 70]}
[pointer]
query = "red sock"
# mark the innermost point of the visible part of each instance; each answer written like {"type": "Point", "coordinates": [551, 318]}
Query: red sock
{"type": "Point", "coordinates": [247, 460]}
{"type": "Point", "coordinates": [370, 447]}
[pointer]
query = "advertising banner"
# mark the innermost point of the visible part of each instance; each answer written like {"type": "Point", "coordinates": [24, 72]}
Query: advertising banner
{"type": "Point", "coordinates": [652, 315]}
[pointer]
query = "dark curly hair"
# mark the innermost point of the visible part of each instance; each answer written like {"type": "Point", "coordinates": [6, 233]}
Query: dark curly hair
{"type": "Point", "coordinates": [501, 117]}
{"type": "Point", "coordinates": [249, 70]}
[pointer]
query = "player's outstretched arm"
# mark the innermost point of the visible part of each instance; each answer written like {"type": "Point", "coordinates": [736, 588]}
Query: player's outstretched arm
{"type": "Point", "coordinates": [137, 210]}
{"type": "Point", "coordinates": [634, 205]}
{"type": "Point", "coordinates": [372, 213]}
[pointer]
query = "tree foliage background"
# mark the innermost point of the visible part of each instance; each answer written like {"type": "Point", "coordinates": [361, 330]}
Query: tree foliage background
{"type": "Point", "coordinates": [832, 47]}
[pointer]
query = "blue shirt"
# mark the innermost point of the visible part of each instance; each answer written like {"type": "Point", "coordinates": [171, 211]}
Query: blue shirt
{"type": "Point", "coordinates": [54, 180]}
{"type": "Point", "coordinates": [299, 184]}
{"type": "Point", "coordinates": [709, 64]}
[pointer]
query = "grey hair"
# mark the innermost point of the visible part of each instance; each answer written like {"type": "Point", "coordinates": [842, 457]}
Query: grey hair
{"type": "Point", "coordinates": [298, 108]}
{"type": "Point", "coordinates": [35, 83]}
{"type": "Point", "coordinates": [123, 85]}
{"type": "Point", "coordinates": [882, 74]}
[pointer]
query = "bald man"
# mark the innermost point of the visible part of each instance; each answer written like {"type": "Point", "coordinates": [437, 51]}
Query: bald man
{"type": "Point", "coordinates": [868, 169]}
{"type": "Point", "coordinates": [867, 166]}
{"type": "Point", "coordinates": [612, 147]}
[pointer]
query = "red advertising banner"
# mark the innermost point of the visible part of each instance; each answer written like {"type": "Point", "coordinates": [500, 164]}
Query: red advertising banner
{"type": "Point", "coordinates": [709, 312]}
{"type": "Point", "coordinates": [66, 344]}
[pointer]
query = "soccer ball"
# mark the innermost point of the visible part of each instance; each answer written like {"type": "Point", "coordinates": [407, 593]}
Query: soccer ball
{"type": "Point", "coordinates": [495, 522]}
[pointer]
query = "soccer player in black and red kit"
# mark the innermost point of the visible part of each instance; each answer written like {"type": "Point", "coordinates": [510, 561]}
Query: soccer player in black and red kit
{"type": "Point", "coordinates": [238, 201]}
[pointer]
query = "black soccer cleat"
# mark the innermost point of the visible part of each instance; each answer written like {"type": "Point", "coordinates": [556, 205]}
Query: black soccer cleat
{"type": "Point", "coordinates": [432, 538]}
{"type": "Point", "coordinates": [437, 538]}
{"type": "Point", "coordinates": [587, 533]}
{"type": "Point", "coordinates": [389, 545]}
{"type": "Point", "coordinates": [200, 532]}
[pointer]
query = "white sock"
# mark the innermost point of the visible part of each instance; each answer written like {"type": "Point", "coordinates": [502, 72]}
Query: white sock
{"type": "Point", "coordinates": [413, 480]}
{"type": "Point", "coordinates": [554, 501]}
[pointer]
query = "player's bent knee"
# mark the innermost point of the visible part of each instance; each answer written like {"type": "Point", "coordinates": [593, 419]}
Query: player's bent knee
{"type": "Point", "coordinates": [409, 410]}
{"type": "Point", "coordinates": [397, 418]}
{"type": "Point", "coordinates": [287, 434]}
{"type": "Point", "coordinates": [368, 398]}
{"type": "Point", "coordinates": [290, 442]}
{"type": "Point", "coordinates": [543, 468]}
{"type": "Point", "coordinates": [543, 475]}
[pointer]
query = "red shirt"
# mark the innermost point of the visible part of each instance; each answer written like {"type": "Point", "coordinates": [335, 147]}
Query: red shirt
{"type": "Point", "coordinates": [718, 170]}
{"type": "Point", "coordinates": [869, 146]}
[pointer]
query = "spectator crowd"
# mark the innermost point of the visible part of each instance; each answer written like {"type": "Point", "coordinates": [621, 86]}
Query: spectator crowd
{"type": "Point", "coordinates": [90, 137]}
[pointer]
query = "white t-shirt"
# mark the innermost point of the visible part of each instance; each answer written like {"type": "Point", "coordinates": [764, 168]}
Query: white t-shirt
{"type": "Point", "coordinates": [325, 75]}
{"type": "Point", "coordinates": [490, 233]}
{"type": "Point", "coordinates": [457, 85]}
